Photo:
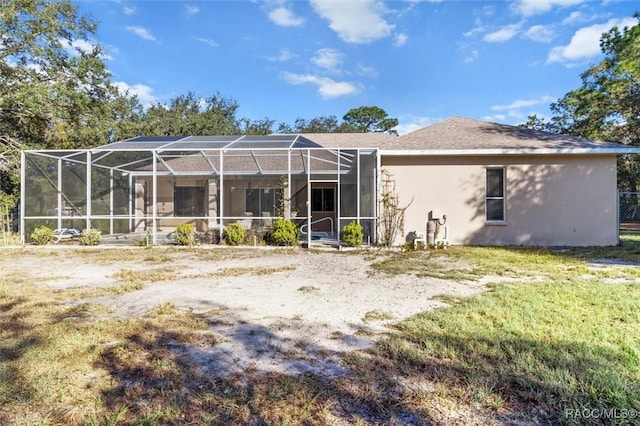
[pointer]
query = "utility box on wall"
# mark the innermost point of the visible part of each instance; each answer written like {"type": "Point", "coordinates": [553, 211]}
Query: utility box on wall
{"type": "Point", "coordinates": [435, 214]}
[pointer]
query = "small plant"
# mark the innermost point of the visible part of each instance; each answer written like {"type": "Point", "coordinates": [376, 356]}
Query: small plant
{"type": "Point", "coordinates": [234, 234]}
{"type": "Point", "coordinates": [352, 234]}
{"type": "Point", "coordinates": [285, 233]}
{"type": "Point", "coordinates": [147, 240]}
{"type": "Point", "coordinates": [391, 212]}
{"type": "Point", "coordinates": [90, 237]}
{"type": "Point", "coordinates": [42, 235]}
{"type": "Point", "coordinates": [185, 234]}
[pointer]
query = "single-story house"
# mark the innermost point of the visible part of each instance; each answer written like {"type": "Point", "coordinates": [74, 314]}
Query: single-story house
{"type": "Point", "coordinates": [489, 184]}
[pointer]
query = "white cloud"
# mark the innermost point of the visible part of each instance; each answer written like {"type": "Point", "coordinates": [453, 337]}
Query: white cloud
{"type": "Point", "coordinates": [129, 10]}
{"type": "Point", "coordinates": [495, 118]}
{"type": "Point", "coordinates": [208, 41]}
{"type": "Point", "coordinates": [400, 39]}
{"type": "Point", "coordinates": [573, 18]}
{"type": "Point", "coordinates": [368, 71]}
{"type": "Point", "coordinates": [327, 88]}
{"type": "Point", "coordinates": [355, 21]}
{"type": "Point", "coordinates": [524, 103]}
{"type": "Point", "coordinates": [284, 17]}
{"type": "Point", "coordinates": [471, 57]}
{"type": "Point", "coordinates": [474, 31]}
{"type": "Point", "coordinates": [518, 110]}
{"type": "Point", "coordinates": [83, 46]}
{"type": "Point", "coordinates": [143, 92]}
{"type": "Point", "coordinates": [192, 10]}
{"type": "Point", "coordinates": [283, 56]}
{"type": "Point", "coordinates": [503, 34]}
{"type": "Point", "coordinates": [409, 124]}
{"type": "Point", "coordinates": [328, 59]}
{"type": "Point", "coordinates": [539, 33]}
{"type": "Point", "coordinates": [536, 7]}
{"type": "Point", "coordinates": [141, 32]}
{"type": "Point", "coordinates": [585, 43]}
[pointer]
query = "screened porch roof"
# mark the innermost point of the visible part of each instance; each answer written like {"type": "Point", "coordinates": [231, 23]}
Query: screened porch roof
{"type": "Point", "coordinates": [182, 143]}
{"type": "Point", "coordinates": [214, 155]}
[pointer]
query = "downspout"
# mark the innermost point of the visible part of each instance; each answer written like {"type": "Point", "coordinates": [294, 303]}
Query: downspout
{"type": "Point", "coordinates": [618, 218]}
{"type": "Point", "coordinates": [59, 188]}
{"type": "Point", "coordinates": [23, 229]}
{"type": "Point", "coordinates": [111, 201]}
{"type": "Point", "coordinates": [308, 198]}
{"type": "Point", "coordinates": [378, 178]}
{"type": "Point", "coordinates": [154, 207]}
{"type": "Point", "coordinates": [88, 207]}
{"type": "Point", "coordinates": [221, 201]}
{"type": "Point", "coordinates": [338, 206]}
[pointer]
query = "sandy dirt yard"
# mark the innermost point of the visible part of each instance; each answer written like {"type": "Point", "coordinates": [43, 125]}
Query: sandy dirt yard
{"type": "Point", "coordinates": [287, 311]}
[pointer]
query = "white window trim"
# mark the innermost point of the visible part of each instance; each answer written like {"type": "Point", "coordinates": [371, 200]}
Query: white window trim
{"type": "Point", "coordinates": [503, 198]}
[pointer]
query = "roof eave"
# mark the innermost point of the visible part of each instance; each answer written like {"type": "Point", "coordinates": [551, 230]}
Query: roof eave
{"type": "Point", "coordinates": [508, 151]}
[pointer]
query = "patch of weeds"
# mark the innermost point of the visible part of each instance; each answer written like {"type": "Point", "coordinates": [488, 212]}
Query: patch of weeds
{"type": "Point", "coordinates": [144, 276]}
{"type": "Point", "coordinates": [296, 317]}
{"type": "Point", "coordinates": [364, 332]}
{"type": "Point", "coordinates": [83, 293]}
{"type": "Point", "coordinates": [166, 308]}
{"type": "Point", "coordinates": [259, 271]}
{"type": "Point", "coordinates": [336, 335]}
{"type": "Point", "coordinates": [376, 315]}
{"type": "Point", "coordinates": [308, 289]}
{"type": "Point", "coordinates": [446, 298]}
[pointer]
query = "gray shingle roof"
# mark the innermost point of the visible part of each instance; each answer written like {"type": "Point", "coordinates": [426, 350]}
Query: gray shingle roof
{"type": "Point", "coordinates": [465, 134]}
{"type": "Point", "coordinates": [351, 140]}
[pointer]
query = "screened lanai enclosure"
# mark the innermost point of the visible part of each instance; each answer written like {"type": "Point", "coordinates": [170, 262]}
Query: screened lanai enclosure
{"type": "Point", "coordinates": [150, 185]}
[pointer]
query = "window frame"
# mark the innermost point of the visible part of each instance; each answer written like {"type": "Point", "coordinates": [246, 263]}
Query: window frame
{"type": "Point", "coordinates": [324, 199]}
{"type": "Point", "coordinates": [502, 197]}
{"type": "Point", "coordinates": [262, 191]}
{"type": "Point", "coordinates": [200, 195]}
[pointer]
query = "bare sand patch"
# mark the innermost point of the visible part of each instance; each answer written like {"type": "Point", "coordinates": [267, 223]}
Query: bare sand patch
{"type": "Point", "coordinates": [271, 311]}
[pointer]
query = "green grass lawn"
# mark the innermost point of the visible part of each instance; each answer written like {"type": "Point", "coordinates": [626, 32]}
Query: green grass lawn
{"type": "Point", "coordinates": [554, 340]}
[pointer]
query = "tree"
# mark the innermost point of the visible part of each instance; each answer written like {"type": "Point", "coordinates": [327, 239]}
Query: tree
{"type": "Point", "coordinates": [54, 86]}
{"type": "Point", "coordinates": [368, 119]}
{"type": "Point", "coordinates": [191, 115]}
{"type": "Point", "coordinates": [607, 105]}
{"type": "Point", "coordinates": [323, 124]}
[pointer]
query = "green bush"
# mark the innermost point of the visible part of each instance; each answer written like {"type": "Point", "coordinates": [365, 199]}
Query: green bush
{"type": "Point", "coordinates": [285, 233]}
{"type": "Point", "coordinates": [185, 235]}
{"type": "Point", "coordinates": [90, 237]}
{"type": "Point", "coordinates": [234, 234]}
{"type": "Point", "coordinates": [42, 235]}
{"type": "Point", "coordinates": [147, 240]}
{"type": "Point", "coordinates": [352, 234]}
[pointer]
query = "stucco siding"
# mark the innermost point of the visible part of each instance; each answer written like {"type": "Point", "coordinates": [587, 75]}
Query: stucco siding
{"type": "Point", "coordinates": [551, 200]}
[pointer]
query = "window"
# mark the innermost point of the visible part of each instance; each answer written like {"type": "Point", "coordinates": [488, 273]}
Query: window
{"type": "Point", "coordinates": [261, 200]}
{"type": "Point", "coordinates": [322, 200]}
{"type": "Point", "coordinates": [188, 201]}
{"type": "Point", "coordinates": [495, 199]}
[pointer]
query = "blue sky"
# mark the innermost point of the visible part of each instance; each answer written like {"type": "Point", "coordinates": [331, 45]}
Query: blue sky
{"type": "Point", "coordinates": [421, 61]}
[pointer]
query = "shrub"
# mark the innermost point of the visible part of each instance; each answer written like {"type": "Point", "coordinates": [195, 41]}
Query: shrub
{"type": "Point", "coordinates": [185, 234]}
{"type": "Point", "coordinates": [234, 234]}
{"type": "Point", "coordinates": [42, 235]}
{"type": "Point", "coordinates": [90, 237]}
{"type": "Point", "coordinates": [352, 234]}
{"type": "Point", "coordinates": [147, 240]}
{"type": "Point", "coordinates": [285, 233]}
{"type": "Point", "coordinates": [211, 236]}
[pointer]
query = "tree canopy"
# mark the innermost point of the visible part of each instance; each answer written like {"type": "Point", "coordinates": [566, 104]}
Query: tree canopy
{"type": "Point", "coordinates": [55, 90]}
{"type": "Point", "coordinates": [56, 93]}
{"type": "Point", "coordinates": [607, 105]}
{"type": "Point", "coordinates": [369, 119]}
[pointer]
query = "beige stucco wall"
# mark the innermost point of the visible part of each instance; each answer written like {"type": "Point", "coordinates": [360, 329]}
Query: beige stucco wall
{"type": "Point", "coordinates": [561, 200]}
